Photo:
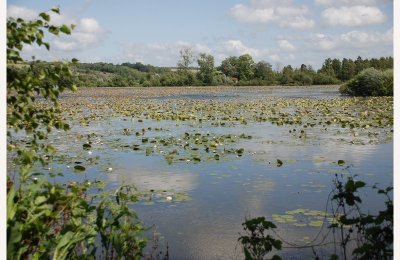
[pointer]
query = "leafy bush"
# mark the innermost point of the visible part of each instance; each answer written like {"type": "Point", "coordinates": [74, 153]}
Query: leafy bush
{"type": "Point", "coordinates": [370, 82]}
{"type": "Point", "coordinates": [48, 220]}
{"type": "Point", "coordinates": [302, 79]}
{"type": "Point", "coordinates": [324, 79]}
{"type": "Point", "coordinates": [257, 244]}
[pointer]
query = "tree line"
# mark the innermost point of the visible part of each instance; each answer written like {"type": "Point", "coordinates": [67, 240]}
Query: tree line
{"type": "Point", "coordinates": [200, 70]}
{"type": "Point", "coordinates": [234, 70]}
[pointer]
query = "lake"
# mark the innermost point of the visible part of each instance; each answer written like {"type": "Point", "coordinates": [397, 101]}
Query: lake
{"type": "Point", "coordinates": [207, 158]}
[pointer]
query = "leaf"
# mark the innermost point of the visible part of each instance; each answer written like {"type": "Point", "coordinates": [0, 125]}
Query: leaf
{"type": "Point", "coordinates": [56, 10]}
{"type": "Point", "coordinates": [40, 199]}
{"type": "Point", "coordinates": [79, 168]}
{"type": "Point", "coordinates": [47, 45]}
{"type": "Point", "coordinates": [65, 29]}
{"type": "Point", "coordinates": [45, 16]}
{"type": "Point", "coordinates": [54, 30]}
{"type": "Point", "coordinates": [86, 146]}
{"type": "Point", "coordinates": [11, 206]}
{"type": "Point", "coordinates": [279, 163]}
{"type": "Point", "coordinates": [359, 184]}
{"type": "Point", "coordinates": [65, 239]}
{"type": "Point", "coordinates": [341, 162]}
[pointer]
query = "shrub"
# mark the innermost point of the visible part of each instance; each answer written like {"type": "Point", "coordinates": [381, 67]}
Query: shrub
{"type": "Point", "coordinates": [146, 83]}
{"type": "Point", "coordinates": [45, 219]}
{"type": "Point", "coordinates": [324, 79]}
{"type": "Point", "coordinates": [370, 82]}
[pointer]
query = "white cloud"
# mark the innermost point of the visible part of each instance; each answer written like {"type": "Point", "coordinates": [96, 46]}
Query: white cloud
{"type": "Point", "coordinates": [236, 47]}
{"type": "Point", "coordinates": [363, 39]}
{"type": "Point", "coordinates": [274, 57]}
{"type": "Point", "coordinates": [325, 42]}
{"type": "Point", "coordinates": [88, 33]}
{"type": "Point", "coordinates": [298, 22]}
{"type": "Point", "coordinates": [348, 2]}
{"type": "Point", "coordinates": [252, 15]}
{"type": "Point", "coordinates": [291, 10]}
{"type": "Point", "coordinates": [352, 40]}
{"type": "Point", "coordinates": [159, 53]}
{"type": "Point", "coordinates": [268, 3]}
{"type": "Point", "coordinates": [90, 25]}
{"type": "Point", "coordinates": [21, 12]}
{"type": "Point", "coordinates": [284, 13]}
{"type": "Point", "coordinates": [353, 16]}
{"type": "Point", "coordinates": [286, 45]}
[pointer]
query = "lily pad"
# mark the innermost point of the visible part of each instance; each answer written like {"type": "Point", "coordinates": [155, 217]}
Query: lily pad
{"type": "Point", "coordinates": [79, 168]}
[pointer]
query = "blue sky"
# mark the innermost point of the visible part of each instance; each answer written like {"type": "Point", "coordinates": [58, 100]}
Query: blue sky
{"type": "Point", "coordinates": [279, 32]}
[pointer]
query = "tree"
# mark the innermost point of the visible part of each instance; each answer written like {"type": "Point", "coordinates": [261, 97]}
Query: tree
{"type": "Point", "coordinates": [228, 67]}
{"type": "Point", "coordinates": [206, 65]}
{"type": "Point", "coordinates": [327, 68]}
{"type": "Point", "coordinates": [359, 63]}
{"type": "Point", "coordinates": [286, 76]}
{"type": "Point", "coordinates": [263, 70]}
{"type": "Point", "coordinates": [244, 67]}
{"type": "Point", "coordinates": [186, 58]}
{"type": "Point", "coordinates": [348, 69]}
{"type": "Point", "coordinates": [337, 67]}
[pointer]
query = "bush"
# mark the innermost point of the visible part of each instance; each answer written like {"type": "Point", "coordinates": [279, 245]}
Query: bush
{"type": "Point", "coordinates": [324, 79]}
{"type": "Point", "coordinates": [146, 84]}
{"type": "Point", "coordinates": [370, 82]}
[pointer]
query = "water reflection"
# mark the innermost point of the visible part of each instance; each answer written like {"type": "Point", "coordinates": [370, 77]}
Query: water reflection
{"type": "Point", "coordinates": [146, 174]}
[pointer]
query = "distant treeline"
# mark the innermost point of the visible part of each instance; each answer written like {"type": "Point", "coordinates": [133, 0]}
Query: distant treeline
{"type": "Point", "coordinates": [239, 71]}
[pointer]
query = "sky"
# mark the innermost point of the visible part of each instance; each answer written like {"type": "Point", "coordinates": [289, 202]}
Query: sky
{"type": "Point", "coordinates": [154, 31]}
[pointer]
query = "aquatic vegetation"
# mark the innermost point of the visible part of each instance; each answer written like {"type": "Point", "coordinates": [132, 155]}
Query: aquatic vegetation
{"type": "Point", "coordinates": [302, 218]}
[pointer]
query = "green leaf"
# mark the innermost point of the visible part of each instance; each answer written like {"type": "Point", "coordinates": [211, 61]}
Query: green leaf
{"type": "Point", "coordinates": [79, 168]}
{"type": "Point", "coordinates": [54, 30]}
{"type": "Point", "coordinates": [45, 16]}
{"type": "Point", "coordinates": [279, 163]}
{"type": "Point", "coordinates": [40, 199]}
{"type": "Point", "coordinates": [65, 29]}
{"type": "Point", "coordinates": [86, 146]}
{"type": "Point", "coordinates": [56, 10]}
{"type": "Point", "coordinates": [11, 206]}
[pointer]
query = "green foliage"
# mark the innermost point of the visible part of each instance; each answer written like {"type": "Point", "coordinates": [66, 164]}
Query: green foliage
{"type": "Point", "coordinates": [55, 221]}
{"type": "Point", "coordinates": [256, 244]}
{"type": "Point", "coordinates": [263, 70]}
{"type": "Point", "coordinates": [47, 220]}
{"type": "Point", "coordinates": [206, 68]}
{"type": "Point", "coordinates": [180, 78]}
{"type": "Point", "coordinates": [373, 233]}
{"type": "Point", "coordinates": [370, 82]}
{"type": "Point", "coordinates": [321, 78]}
{"type": "Point", "coordinates": [145, 68]}
{"type": "Point", "coordinates": [286, 77]}
{"type": "Point", "coordinates": [244, 67]}
{"type": "Point", "coordinates": [228, 67]}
